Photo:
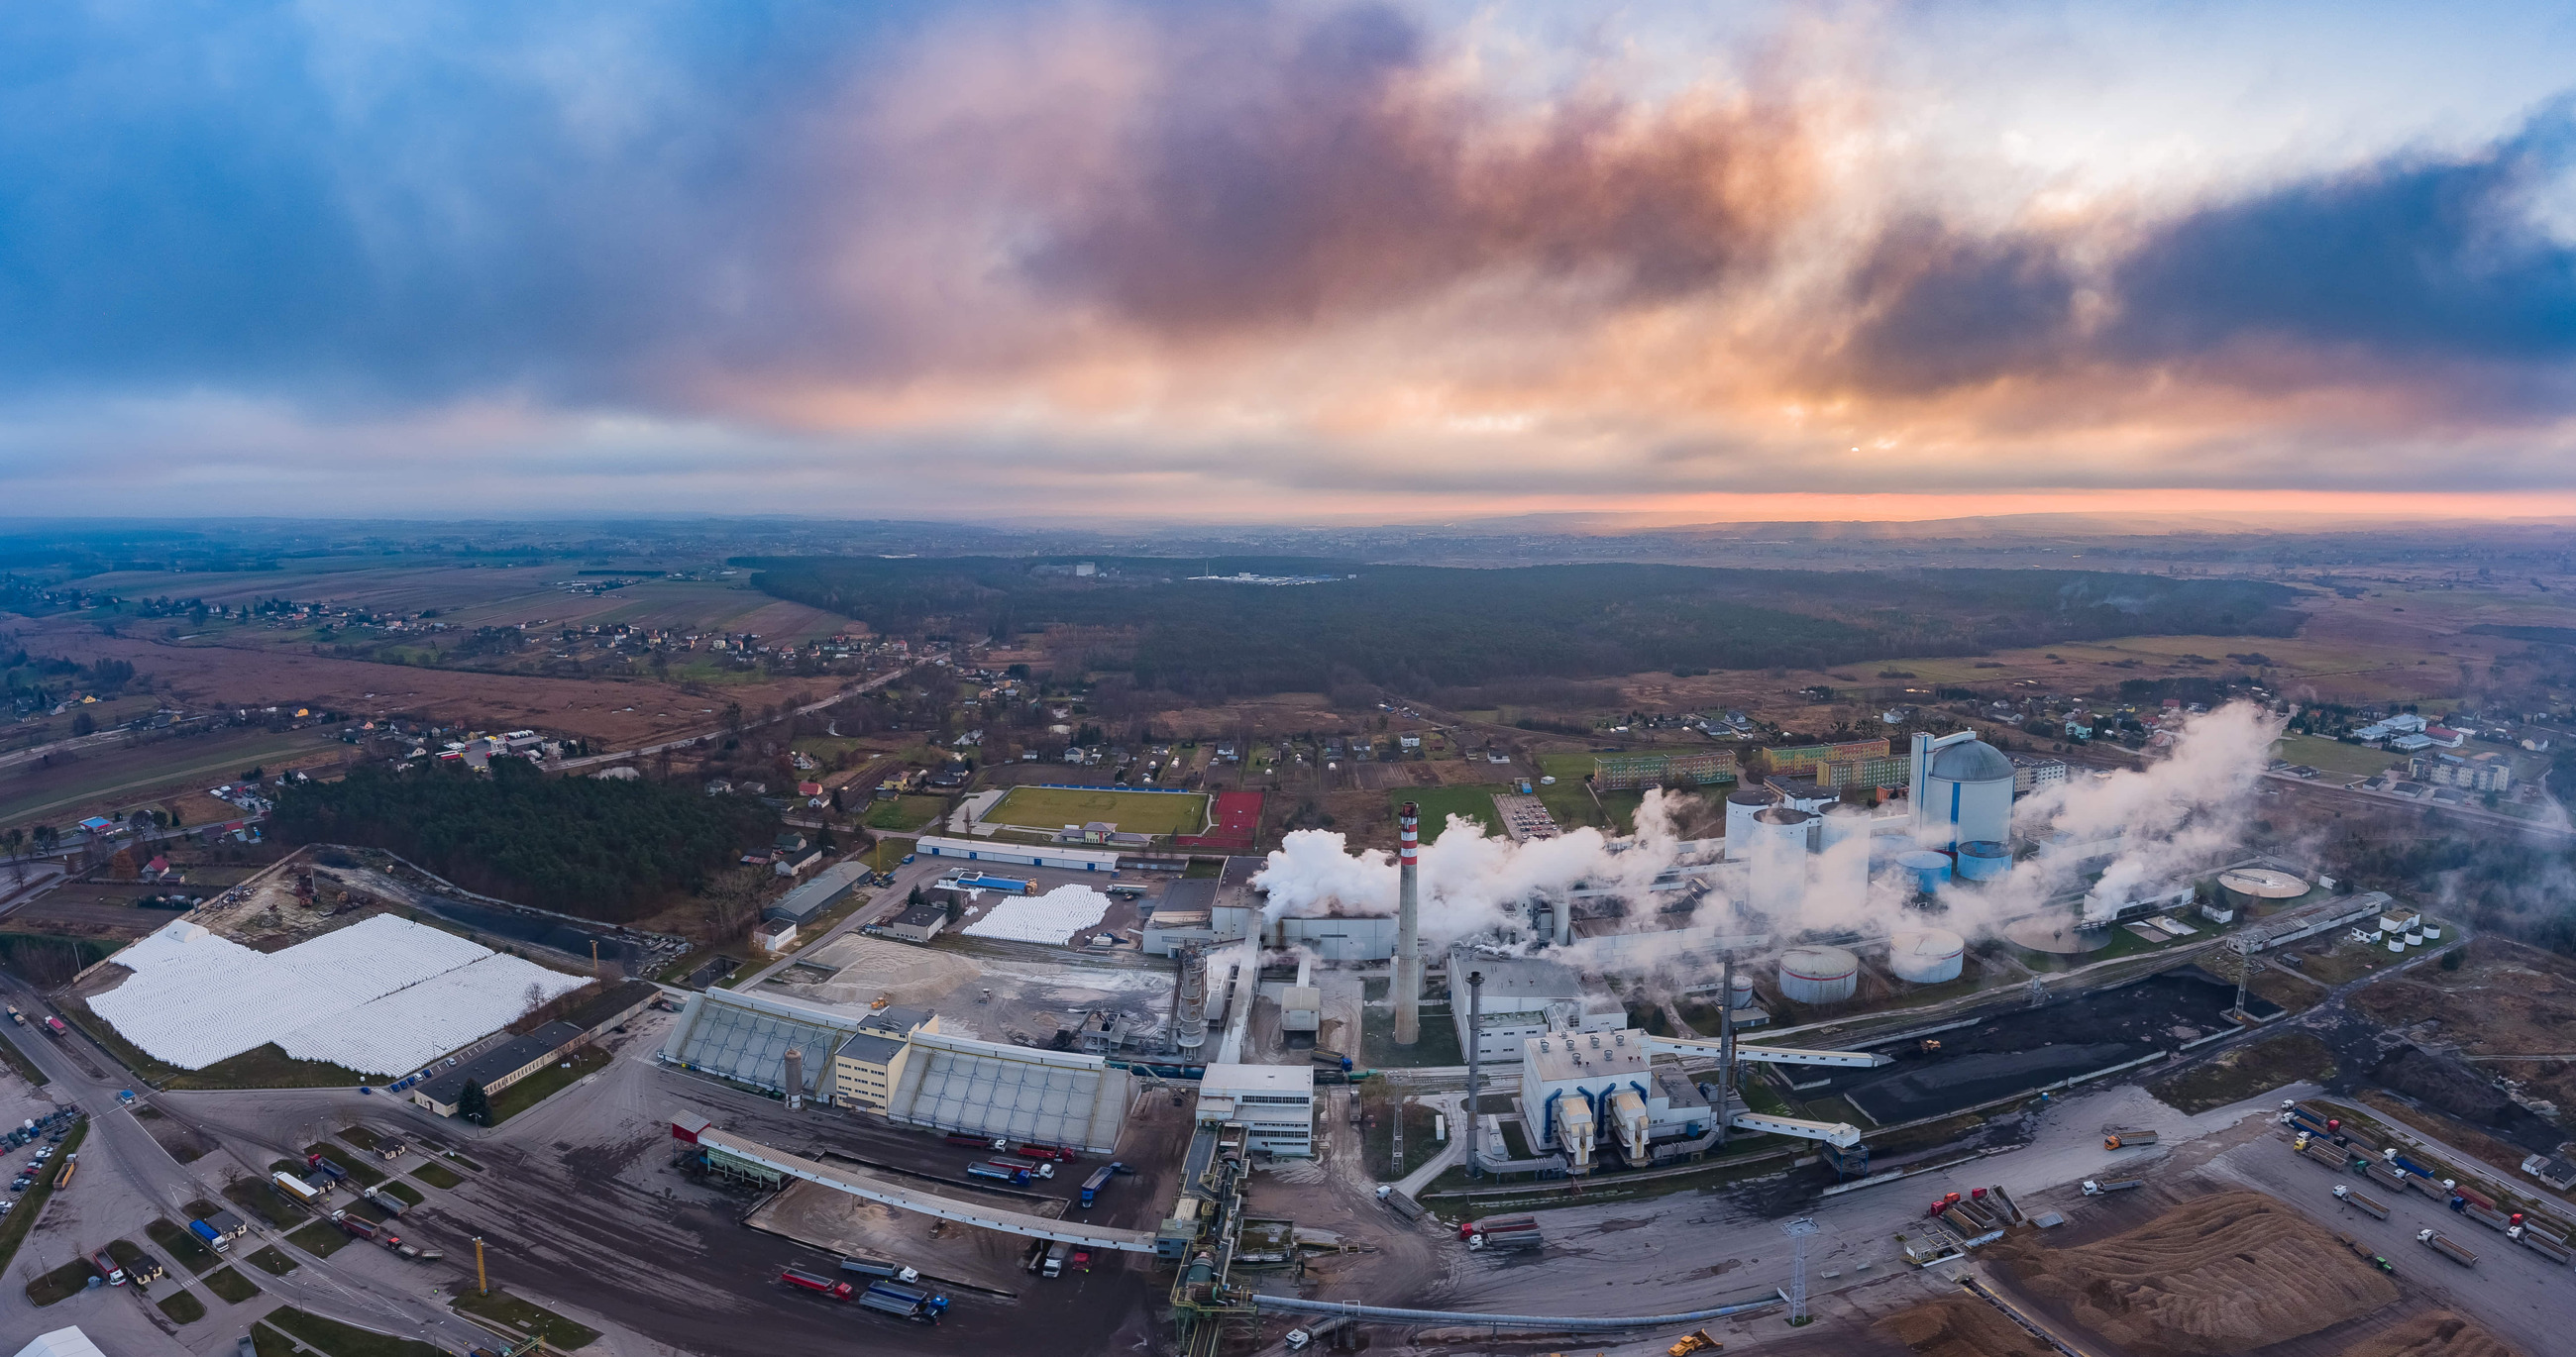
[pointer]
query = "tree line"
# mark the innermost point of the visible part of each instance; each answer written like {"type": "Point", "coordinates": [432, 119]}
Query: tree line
{"type": "Point", "coordinates": [600, 849]}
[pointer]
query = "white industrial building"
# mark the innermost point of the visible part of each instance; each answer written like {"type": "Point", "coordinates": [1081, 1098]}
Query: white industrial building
{"type": "Point", "coordinates": [1524, 997]}
{"type": "Point", "coordinates": [1275, 1105]}
{"type": "Point", "coordinates": [1961, 789]}
{"type": "Point", "coordinates": [1018, 855]}
{"type": "Point", "coordinates": [1229, 908]}
{"type": "Point", "coordinates": [746, 1038]}
{"type": "Point", "coordinates": [990, 1089]}
{"type": "Point", "coordinates": [1579, 1089]}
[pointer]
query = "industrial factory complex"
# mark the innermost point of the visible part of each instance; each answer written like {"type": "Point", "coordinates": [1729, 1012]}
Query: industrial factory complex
{"type": "Point", "coordinates": [1228, 1100]}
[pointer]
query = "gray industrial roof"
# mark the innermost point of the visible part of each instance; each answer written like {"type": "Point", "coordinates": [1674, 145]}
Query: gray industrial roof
{"type": "Point", "coordinates": [500, 1060]}
{"type": "Point", "coordinates": [746, 1037]}
{"type": "Point", "coordinates": [872, 1048]}
{"type": "Point", "coordinates": [1972, 761]}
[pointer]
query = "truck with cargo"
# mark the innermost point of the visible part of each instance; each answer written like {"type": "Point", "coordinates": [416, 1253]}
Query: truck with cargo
{"type": "Point", "coordinates": [1504, 1230]}
{"type": "Point", "coordinates": [296, 1189]}
{"type": "Point", "coordinates": [2325, 1152]}
{"type": "Point", "coordinates": [1507, 1239]}
{"type": "Point", "coordinates": [325, 1167]}
{"type": "Point", "coordinates": [904, 1302]}
{"type": "Point", "coordinates": [211, 1237]}
{"type": "Point", "coordinates": [1044, 1152]}
{"type": "Point", "coordinates": [1055, 1256]}
{"type": "Point", "coordinates": [2446, 1246]}
{"type": "Point", "coordinates": [1468, 1228]}
{"type": "Point", "coordinates": [1036, 1170]}
{"type": "Point", "coordinates": [879, 1269]}
{"type": "Point", "coordinates": [821, 1286]}
{"type": "Point", "coordinates": [2493, 1220]}
{"type": "Point", "coordinates": [980, 1169]}
{"type": "Point", "coordinates": [2383, 1175]}
{"type": "Point", "coordinates": [2127, 1138]}
{"type": "Point", "coordinates": [1400, 1203]}
{"type": "Point", "coordinates": [2549, 1247]}
{"type": "Point", "coordinates": [16, 1016]}
{"type": "Point", "coordinates": [107, 1268]}
{"type": "Point", "coordinates": [2367, 1203]}
{"type": "Point", "coordinates": [54, 1028]}
{"type": "Point", "coordinates": [352, 1225]}
{"type": "Point", "coordinates": [977, 1142]}
{"type": "Point", "coordinates": [2362, 1251]}
{"type": "Point", "coordinates": [2096, 1189]}
{"type": "Point", "coordinates": [71, 1162]}
{"type": "Point", "coordinates": [385, 1201]}
{"type": "Point", "coordinates": [1099, 1179]}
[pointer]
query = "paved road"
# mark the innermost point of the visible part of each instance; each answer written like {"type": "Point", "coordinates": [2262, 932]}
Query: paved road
{"type": "Point", "coordinates": [685, 741]}
{"type": "Point", "coordinates": [126, 1179]}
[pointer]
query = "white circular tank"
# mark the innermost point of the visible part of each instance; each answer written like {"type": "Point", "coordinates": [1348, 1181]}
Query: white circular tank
{"type": "Point", "coordinates": [1739, 996]}
{"type": "Point", "coordinates": [1818, 975]}
{"type": "Point", "coordinates": [1926, 956]}
{"type": "Point", "coordinates": [1779, 852]}
{"type": "Point", "coordinates": [1741, 807]}
{"type": "Point", "coordinates": [1968, 795]}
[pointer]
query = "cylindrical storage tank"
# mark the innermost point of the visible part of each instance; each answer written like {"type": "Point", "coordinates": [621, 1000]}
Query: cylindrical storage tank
{"type": "Point", "coordinates": [1968, 795]}
{"type": "Point", "coordinates": [1818, 975]}
{"type": "Point", "coordinates": [1925, 870]}
{"type": "Point", "coordinates": [1779, 845]}
{"type": "Point", "coordinates": [1842, 861]}
{"type": "Point", "coordinates": [1925, 956]}
{"type": "Point", "coordinates": [2415, 939]}
{"type": "Point", "coordinates": [2432, 933]}
{"type": "Point", "coordinates": [2255, 886]}
{"type": "Point", "coordinates": [1984, 860]}
{"type": "Point", "coordinates": [1739, 996]}
{"type": "Point", "coordinates": [1741, 807]}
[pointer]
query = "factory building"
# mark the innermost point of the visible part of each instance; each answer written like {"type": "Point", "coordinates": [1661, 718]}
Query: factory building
{"type": "Point", "coordinates": [1274, 1104]}
{"type": "Point", "coordinates": [867, 1067]}
{"type": "Point", "coordinates": [1962, 791]}
{"type": "Point", "coordinates": [1631, 772]}
{"type": "Point", "coordinates": [989, 1089]}
{"type": "Point", "coordinates": [2033, 773]}
{"type": "Point", "coordinates": [1523, 998]}
{"type": "Point", "coordinates": [1018, 855]}
{"type": "Point", "coordinates": [1582, 1090]}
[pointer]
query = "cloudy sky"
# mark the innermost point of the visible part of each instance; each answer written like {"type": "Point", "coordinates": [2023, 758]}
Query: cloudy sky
{"type": "Point", "coordinates": [1280, 261]}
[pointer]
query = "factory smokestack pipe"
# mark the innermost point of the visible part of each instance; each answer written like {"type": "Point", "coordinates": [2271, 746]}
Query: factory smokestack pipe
{"type": "Point", "coordinates": [1475, 1044]}
{"type": "Point", "coordinates": [1408, 923]}
{"type": "Point", "coordinates": [1726, 1051]}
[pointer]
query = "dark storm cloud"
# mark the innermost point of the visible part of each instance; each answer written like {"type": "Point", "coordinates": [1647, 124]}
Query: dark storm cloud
{"type": "Point", "coordinates": [1287, 171]}
{"type": "Point", "coordinates": [1937, 309]}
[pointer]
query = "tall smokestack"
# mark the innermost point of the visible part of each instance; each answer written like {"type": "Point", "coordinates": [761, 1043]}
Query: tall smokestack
{"type": "Point", "coordinates": [1408, 943]}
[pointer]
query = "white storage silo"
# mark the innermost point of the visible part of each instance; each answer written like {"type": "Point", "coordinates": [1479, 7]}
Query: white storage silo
{"type": "Point", "coordinates": [1739, 996]}
{"type": "Point", "coordinates": [1818, 975]}
{"type": "Point", "coordinates": [1967, 795]}
{"type": "Point", "coordinates": [1779, 845]}
{"type": "Point", "coordinates": [1741, 807]}
{"type": "Point", "coordinates": [1926, 956]}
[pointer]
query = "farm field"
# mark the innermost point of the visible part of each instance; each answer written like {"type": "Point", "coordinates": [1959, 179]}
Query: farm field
{"type": "Point", "coordinates": [109, 778]}
{"type": "Point", "coordinates": [1437, 804]}
{"type": "Point", "coordinates": [1131, 812]}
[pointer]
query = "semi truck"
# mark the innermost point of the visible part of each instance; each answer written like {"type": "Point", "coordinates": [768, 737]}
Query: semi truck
{"type": "Point", "coordinates": [2362, 1251]}
{"type": "Point", "coordinates": [2325, 1152]}
{"type": "Point", "coordinates": [2446, 1246]}
{"type": "Point", "coordinates": [1055, 1256]}
{"type": "Point", "coordinates": [878, 1269]}
{"type": "Point", "coordinates": [352, 1225]}
{"type": "Point", "coordinates": [980, 1169]}
{"type": "Point", "coordinates": [295, 1188]}
{"type": "Point", "coordinates": [1044, 1152]}
{"type": "Point", "coordinates": [2555, 1250]}
{"type": "Point", "coordinates": [54, 1028]}
{"type": "Point", "coordinates": [209, 1236]}
{"type": "Point", "coordinates": [1470, 1228]}
{"type": "Point", "coordinates": [821, 1286]}
{"type": "Point", "coordinates": [71, 1162]}
{"type": "Point", "coordinates": [327, 1169]}
{"type": "Point", "coordinates": [977, 1142]}
{"type": "Point", "coordinates": [1099, 1179]}
{"type": "Point", "coordinates": [1036, 1170]}
{"type": "Point", "coordinates": [2096, 1189]}
{"type": "Point", "coordinates": [904, 1302]}
{"type": "Point", "coordinates": [1508, 1239]}
{"type": "Point", "coordinates": [2367, 1203]}
{"type": "Point", "coordinates": [385, 1201]}
{"type": "Point", "coordinates": [1399, 1203]}
{"type": "Point", "coordinates": [2127, 1139]}
{"type": "Point", "coordinates": [2484, 1215]}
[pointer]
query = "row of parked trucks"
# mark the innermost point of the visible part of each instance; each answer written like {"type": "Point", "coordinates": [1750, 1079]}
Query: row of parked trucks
{"type": "Point", "coordinates": [2329, 1142]}
{"type": "Point", "coordinates": [875, 1286]}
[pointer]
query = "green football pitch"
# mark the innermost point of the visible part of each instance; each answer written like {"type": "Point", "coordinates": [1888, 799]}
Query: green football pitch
{"type": "Point", "coordinates": [1132, 812]}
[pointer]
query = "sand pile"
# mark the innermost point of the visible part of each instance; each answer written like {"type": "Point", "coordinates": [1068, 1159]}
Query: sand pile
{"type": "Point", "coordinates": [2222, 1274]}
{"type": "Point", "coordinates": [2436, 1333]}
{"type": "Point", "coordinates": [1962, 1328]}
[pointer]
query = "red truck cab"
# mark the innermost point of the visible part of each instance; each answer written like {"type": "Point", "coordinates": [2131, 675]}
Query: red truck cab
{"type": "Point", "coordinates": [807, 1281]}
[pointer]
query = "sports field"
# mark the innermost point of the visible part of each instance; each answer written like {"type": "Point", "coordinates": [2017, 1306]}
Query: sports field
{"type": "Point", "coordinates": [1132, 812]}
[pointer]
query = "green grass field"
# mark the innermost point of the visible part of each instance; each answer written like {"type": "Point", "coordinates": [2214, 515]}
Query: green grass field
{"type": "Point", "coordinates": [1437, 804]}
{"type": "Point", "coordinates": [2334, 756]}
{"type": "Point", "coordinates": [1132, 812]}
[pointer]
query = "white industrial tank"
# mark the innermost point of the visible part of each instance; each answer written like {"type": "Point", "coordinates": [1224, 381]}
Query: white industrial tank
{"type": "Point", "coordinates": [1779, 859]}
{"type": "Point", "coordinates": [1967, 794]}
{"type": "Point", "coordinates": [1925, 956]}
{"type": "Point", "coordinates": [1818, 975]}
{"type": "Point", "coordinates": [1739, 996]}
{"type": "Point", "coordinates": [1741, 807]}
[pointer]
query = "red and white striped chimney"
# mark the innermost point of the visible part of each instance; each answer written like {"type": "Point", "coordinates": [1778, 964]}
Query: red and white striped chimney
{"type": "Point", "coordinates": [1407, 981]}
